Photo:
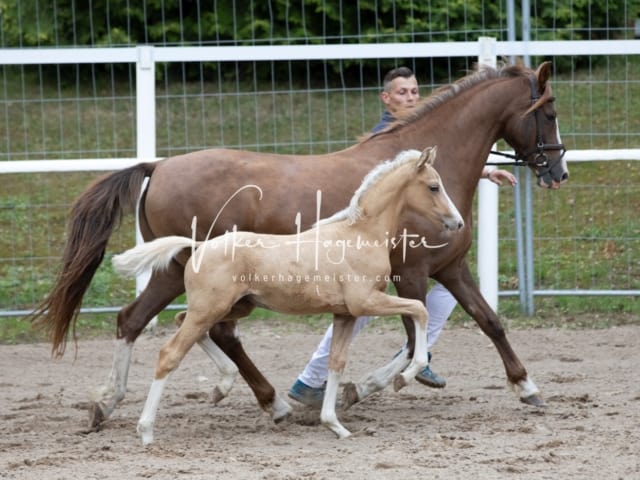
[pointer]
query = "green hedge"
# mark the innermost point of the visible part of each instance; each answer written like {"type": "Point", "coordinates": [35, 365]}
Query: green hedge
{"type": "Point", "coordinates": [32, 23]}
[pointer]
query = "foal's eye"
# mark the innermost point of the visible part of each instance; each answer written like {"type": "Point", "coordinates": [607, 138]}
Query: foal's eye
{"type": "Point", "coordinates": [434, 188]}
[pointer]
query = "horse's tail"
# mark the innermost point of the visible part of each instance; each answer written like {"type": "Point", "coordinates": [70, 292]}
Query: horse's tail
{"type": "Point", "coordinates": [154, 255]}
{"type": "Point", "coordinates": [93, 217]}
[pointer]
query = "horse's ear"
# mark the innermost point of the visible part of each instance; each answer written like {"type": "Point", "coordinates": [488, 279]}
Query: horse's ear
{"type": "Point", "coordinates": [428, 157]}
{"type": "Point", "coordinates": [542, 74]}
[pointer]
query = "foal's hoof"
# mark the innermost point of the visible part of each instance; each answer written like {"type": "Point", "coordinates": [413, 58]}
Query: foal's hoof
{"type": "Point", "coordinates": [145, 431]}
{"type": "Point", "coordinates": [96, 415]}
{"type": "Point", "coordinates": [349, 395]}
{"type": "Point", "coordinates": [399, 383]}
{"type": "Point", "coordinates": [534, 400]}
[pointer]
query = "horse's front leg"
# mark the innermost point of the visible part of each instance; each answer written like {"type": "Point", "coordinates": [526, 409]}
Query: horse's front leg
{"type": "Point", "coordinates": [163, 287]}
{"type": "Point", "coordinates": [461, 284]}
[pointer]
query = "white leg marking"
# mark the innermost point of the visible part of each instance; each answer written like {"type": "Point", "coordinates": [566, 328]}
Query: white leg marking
{"type": "Point", "coordinates": [280, 409]}
{"type": "Point", "coordinates": [328, 415]}
{"type": "Point", "coordinates": [227, 368]}
{"type": "Point", "coordinates": [419, 360]}
{"type": "Point", "coordinates": [526, 388]}
{"type": "Point", "coordinates": [148, 416]}
{"type": "Point", "coordinates": [108, 396]}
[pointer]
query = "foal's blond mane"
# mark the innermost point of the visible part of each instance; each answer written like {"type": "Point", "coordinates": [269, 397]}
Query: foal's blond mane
{"type": "Point", "coordinates": [447, 92]}
{"type": "Point", "coordinates": [353, 212]}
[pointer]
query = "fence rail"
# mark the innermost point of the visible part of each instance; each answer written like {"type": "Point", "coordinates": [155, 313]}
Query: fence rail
{"type": "Point", "coordinates": [146, 57]}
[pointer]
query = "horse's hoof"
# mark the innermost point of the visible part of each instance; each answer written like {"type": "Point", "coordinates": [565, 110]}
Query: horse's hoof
{"type": "Point", "coordinates": [96, 415]}
{"type": "Point", "coordinates": [278, 409]}
{"type": "Point", "coordinates": [349, 395]}
{"type": "Point", "coordinates": [282, 417]}
{"type": "Point", "coordinates": [218, 396]}
{"type": "Point", "coordinates": [534, 400]}
{"type": "Point", "coordinates": [399, 383]}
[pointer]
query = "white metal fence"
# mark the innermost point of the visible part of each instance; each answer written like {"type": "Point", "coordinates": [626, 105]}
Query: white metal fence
{"type": "Point", "coordinates": [146, 98]}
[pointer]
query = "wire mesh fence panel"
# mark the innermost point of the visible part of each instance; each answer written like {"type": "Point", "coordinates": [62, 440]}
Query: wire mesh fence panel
{"type": "Point", "coordinates": [585, 234]}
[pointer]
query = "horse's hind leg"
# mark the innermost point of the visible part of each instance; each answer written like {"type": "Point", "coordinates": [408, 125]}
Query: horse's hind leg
{"type": "Point", "coordinates": [224, 334]}
{"type": "Point", "coordinates": [163, 287]}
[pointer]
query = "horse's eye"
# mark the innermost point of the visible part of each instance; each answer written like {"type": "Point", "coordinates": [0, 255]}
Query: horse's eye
{"type": "Point", "coordinates": [434, 188]}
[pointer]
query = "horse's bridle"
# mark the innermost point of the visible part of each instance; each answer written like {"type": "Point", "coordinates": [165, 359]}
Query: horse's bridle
{"type": "Point", "coordinates": [541, 159]}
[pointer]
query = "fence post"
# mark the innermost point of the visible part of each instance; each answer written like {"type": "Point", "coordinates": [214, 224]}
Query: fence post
{"type": "Point", "coordinates": [145, 132]}
{"type": "Point", "coordinates": [488, 208]}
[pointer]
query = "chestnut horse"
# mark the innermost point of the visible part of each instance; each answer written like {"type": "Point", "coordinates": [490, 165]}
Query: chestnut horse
{"type": "Point", "coordinates": [343, 263]}
{"type": "Point", "coordinates": [464, 119]}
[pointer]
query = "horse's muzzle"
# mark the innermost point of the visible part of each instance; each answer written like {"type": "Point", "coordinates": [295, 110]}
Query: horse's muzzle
{"type": "Point", "coordinates": [453, 223]}
{"type": "Point", "coordinates": [554, 176]}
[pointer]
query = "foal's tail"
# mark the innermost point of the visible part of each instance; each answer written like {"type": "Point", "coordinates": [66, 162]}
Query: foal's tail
{"type": "Point", "coordinates": [155, 255]}
{"type": "Point", "coordinates": [94, 216]}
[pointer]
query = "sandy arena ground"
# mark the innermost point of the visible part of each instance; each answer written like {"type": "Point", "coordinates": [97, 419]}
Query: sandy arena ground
{"type": "Point", "coordinates": [474, 428]}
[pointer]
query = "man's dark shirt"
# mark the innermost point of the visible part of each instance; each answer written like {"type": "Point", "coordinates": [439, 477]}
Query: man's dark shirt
{"type": "Point", "coordinates": [386, 119]}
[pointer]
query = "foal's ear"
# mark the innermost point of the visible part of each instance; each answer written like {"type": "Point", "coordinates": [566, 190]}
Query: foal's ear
{"type": "Point", "coordinates": [428, 157]}
{"type": "Point", "coordinates": [542, 74]}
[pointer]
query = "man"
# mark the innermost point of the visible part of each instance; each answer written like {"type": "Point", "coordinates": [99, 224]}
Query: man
{"type": "Point", "coordinates": [400, 92]}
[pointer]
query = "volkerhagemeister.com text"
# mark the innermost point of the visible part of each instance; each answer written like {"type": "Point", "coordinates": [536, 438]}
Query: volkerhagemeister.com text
{"type": "Point", "coordinates": [308, 278]}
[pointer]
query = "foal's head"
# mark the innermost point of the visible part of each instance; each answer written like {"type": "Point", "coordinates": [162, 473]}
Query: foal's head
{"type": "Point", "coordinates": [427, 196]}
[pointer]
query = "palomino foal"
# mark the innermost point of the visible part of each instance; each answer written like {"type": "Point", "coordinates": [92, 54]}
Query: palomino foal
{"type": "Point", "coordinates": [339, 266]}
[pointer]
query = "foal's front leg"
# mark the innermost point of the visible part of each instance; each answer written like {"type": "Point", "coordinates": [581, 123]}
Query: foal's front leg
{"type": "Point", "coordinates": [342, 330]}
{"type": "Point", "coordinates": [376, 380]}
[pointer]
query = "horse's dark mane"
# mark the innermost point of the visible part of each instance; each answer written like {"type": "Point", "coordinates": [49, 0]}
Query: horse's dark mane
{"type": "Point", "coordinates": [446, 92]}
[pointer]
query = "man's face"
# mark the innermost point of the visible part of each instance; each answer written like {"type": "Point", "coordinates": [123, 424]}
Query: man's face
{"type": "Point", "coordinates": [402, 94]}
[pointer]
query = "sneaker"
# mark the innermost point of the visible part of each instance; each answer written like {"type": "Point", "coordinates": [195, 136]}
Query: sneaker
{"type": "Point", "coordinates": [431, 379]}
{"type": "Point", "coordinates": [303, 393]}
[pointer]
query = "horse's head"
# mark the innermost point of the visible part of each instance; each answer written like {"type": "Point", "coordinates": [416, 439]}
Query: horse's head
{"type": "Point", "coordinates": [428, 196]}
{"type": "Point", "coordinates": [535, 135]}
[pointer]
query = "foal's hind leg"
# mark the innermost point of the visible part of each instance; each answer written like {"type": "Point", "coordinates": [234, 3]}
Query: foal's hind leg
{"type": "Point", "coordinates": [171, 354]}
{"type": "Point", "coordinates": [227, 368]}
{"type": "Point", "coordinates": [232, 358]}
{"type": "Point", "coordinates": [163, 287]}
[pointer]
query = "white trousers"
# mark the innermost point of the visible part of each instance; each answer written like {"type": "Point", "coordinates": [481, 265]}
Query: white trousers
{"type": "Point", "coordinates": [440, 303]}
